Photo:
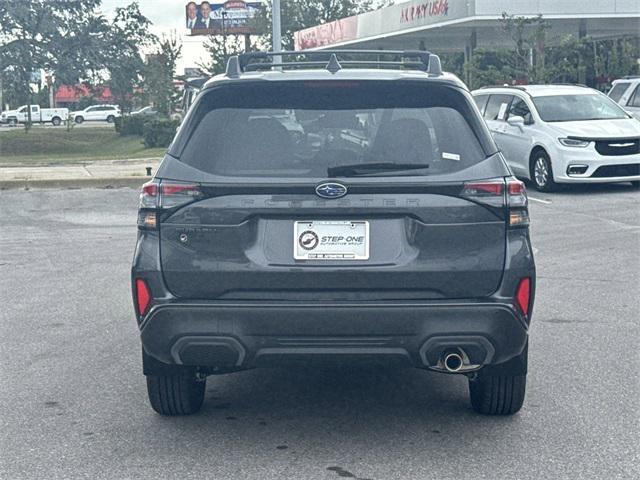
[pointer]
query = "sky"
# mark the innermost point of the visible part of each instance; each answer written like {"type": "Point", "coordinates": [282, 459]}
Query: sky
{"type": "Point", "coordinates": [167, 16]}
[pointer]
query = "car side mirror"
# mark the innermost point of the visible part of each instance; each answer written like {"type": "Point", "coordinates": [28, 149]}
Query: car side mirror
{"type": "Point", "coordinates": [516, 121]}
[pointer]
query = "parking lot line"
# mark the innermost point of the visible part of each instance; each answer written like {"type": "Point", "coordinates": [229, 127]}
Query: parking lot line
{"type": "Point", "coordinates": [534, 199]}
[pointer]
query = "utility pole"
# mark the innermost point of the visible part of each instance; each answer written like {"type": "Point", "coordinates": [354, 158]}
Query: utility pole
{"type": "Point", "coordinates": [277, 30]}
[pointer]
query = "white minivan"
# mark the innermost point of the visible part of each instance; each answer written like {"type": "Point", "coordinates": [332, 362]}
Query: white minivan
{"type": "Point", "coordinates": [554, 134]}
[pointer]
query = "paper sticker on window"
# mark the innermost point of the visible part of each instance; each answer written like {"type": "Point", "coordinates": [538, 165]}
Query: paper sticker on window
{"type": "Point", "coordinates": [451, 156]}
{"type": "Point", "coordinates": [503, 111]}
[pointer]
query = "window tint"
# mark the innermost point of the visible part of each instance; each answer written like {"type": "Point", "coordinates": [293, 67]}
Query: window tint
{"type": "Point", "coordinates": [634, 101]}
{"type": "Point", "coordinates": [519, 108]}
{"type": "Point", "coordinates": [497, 107]}
{"type": "Point", "coordinates": [481, 102]}
{"type": "Point", "coordinates": [618, 90]}
{"type": "Point", "coordinates": [34, 109]}
{"type": "Point", "coordinates": [303, 129]}
{"type": "Point", "coordinates": [91, 109]}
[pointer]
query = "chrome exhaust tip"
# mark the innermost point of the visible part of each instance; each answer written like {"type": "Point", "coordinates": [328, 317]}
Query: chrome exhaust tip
{"type": "Point", "coordinates": [452, 361]}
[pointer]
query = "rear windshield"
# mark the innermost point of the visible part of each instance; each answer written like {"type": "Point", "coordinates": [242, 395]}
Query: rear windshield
{"type": "Point", "coordinates": [323, 129]}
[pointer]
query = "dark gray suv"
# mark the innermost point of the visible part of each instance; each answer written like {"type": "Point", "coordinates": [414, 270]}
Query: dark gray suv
{"type": "Point", "coordinates": [333, 205]}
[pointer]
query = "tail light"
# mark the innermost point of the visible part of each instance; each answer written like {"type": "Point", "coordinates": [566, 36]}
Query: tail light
{"type": "Point", "coordinates": [523, 295]}
{"type": "Point", "coordinates": [511, 194]}
{"type": "Point", "coordinates": [143, 297]}
{"type": "Point", "coordinates": [157, 197]}
{"type": "Point", "coordinates": [490, 192]}
{"type": "Point", "coordinates": [517, 203]}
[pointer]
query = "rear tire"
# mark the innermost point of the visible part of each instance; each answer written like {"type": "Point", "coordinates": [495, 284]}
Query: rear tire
{"type": "Point", "coordinates": [56, 121]}
{"type": "Point", "coordinates": [110, 119]}
{"type": "Point", "coordinates": [497, 394]}
{"type": "Point", "coordinates": [180, 394]}
{"type": "Point", "coordinates": [541, 172]}
{"type": "Point", "coordinates": [500, 389]}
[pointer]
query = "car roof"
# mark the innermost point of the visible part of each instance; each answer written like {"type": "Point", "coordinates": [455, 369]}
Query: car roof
{"type": "Point", "coordinates": [538, 90]}
{"type": "Point", "coordinates": [633, 79]}
{"type": "Point", "coordinates": [344, 74]}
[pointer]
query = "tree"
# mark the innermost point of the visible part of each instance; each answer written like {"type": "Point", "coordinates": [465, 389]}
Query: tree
{"type": "Point", "coordinates": [160, 67]}
{"type": "Point", "coordinates": [490, 67]}
{"type": "Point", "coordinates": [40, 34]}
{"type": "Point", "coordinates": [220, 48]}
{"type": "Point", "coordinates": [128, 33]}
{"type": "Point", "coordinates": [529, 37]}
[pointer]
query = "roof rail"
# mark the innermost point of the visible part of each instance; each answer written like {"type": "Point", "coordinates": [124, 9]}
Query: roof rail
{"type": "Point", "coordinates": [334, 60]}
{"type": "Point", "coordinates": [569, 84]}
{"type": "Point", "coordinates": [517, 87]}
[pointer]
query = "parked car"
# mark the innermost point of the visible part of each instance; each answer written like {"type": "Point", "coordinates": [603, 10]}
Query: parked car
{"type": "Point", "coordinates": [102, 113]}
{"type": "Point", "coordinates": [145, 111]}
{"type": "Point", "coordinates": [626, 92]}
{"type": "Point", "coordinates": [38, 115]}
{"type": "Point", "coordinates": [552, 134]}
{"type": "Point", "coordinates": [408, 242]}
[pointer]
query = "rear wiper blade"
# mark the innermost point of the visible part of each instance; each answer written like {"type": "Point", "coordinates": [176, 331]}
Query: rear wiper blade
{"type": "Point", "coordinates": [367, 168]}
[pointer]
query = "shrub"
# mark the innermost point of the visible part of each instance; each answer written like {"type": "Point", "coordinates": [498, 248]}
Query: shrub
{"type": "Point", "coordinates": [159, 132]}
{"type": "Point", "coordinates": [131, 124]}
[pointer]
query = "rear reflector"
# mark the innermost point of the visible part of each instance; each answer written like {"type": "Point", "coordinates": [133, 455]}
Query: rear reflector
{"type": "Point", "coordinates": [523, 295]}
{"type": "Point", "coordinates": [143, 296]}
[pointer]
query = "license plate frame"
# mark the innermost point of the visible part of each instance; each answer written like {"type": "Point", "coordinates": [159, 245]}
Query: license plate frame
{"type": "Point", "coordinates": [334, 240]}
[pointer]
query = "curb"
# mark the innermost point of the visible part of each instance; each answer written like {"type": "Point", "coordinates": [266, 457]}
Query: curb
{"type": "Point", "coordinates": [116, 182]}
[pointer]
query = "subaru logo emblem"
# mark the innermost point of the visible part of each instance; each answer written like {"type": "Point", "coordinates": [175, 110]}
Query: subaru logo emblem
{"type": "Point", "coordinates": [331, 190]}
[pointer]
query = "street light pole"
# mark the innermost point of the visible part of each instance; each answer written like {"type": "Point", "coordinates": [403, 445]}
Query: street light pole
{"type": "Point", "coordinates": [277, 29]}
{"type": "Point", "coordinates": [224, 34]}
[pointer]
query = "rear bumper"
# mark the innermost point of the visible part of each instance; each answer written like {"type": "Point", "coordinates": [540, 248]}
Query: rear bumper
{"type": "Point", "coordinates": [229, 336]}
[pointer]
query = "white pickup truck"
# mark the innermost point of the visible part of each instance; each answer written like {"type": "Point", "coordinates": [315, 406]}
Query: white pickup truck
{"type": "Point", "coordinates": [38, 115]}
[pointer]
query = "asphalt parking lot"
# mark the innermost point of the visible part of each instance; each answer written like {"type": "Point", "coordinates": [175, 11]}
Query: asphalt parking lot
{"type": "Point", "coordinates": [74, 401]}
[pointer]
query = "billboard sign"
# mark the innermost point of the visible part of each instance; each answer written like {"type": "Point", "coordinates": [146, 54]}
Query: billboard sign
{"type": "Point", "coordinates": [234, 17]}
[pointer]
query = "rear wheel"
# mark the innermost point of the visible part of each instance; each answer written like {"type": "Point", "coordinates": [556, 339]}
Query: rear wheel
{"type": "Point", "coordinates": [180, 394]}
{"type": "Point", "coordinates": [79, 119]}
{"type": "Point", "coordinates": [56, 121]}
{"type": "Point", "coordinates": [500, 389]}
{"type": "Point", "coordinates": [542, 172]}
{"type": "Point", "coordinates": [111, 119]}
